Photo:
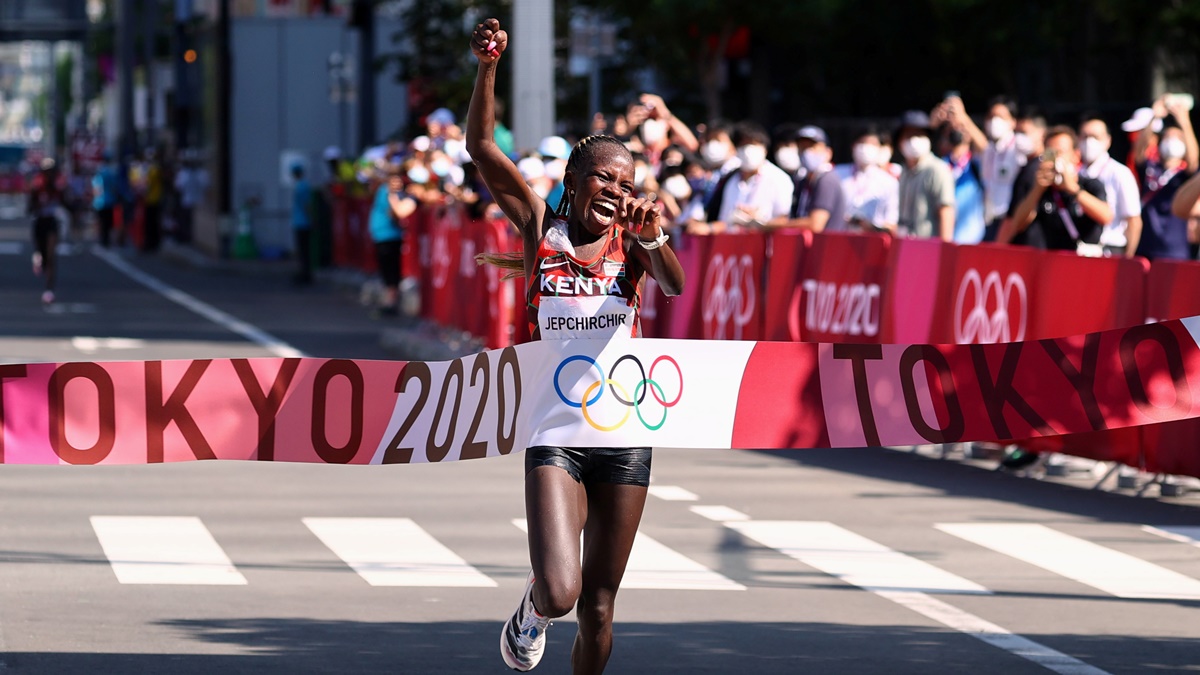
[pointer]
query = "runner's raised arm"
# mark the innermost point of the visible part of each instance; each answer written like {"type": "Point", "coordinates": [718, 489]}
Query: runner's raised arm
{"type": "Point", "coordinates": [524, 208]}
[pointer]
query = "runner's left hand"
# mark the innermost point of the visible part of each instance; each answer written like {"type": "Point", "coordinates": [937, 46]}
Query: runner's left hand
{"type": "Point", "coordinates": [642, 216]}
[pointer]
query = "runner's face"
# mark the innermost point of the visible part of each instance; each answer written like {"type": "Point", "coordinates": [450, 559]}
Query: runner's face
{"type": "Point", "coordinates": [600, 190]}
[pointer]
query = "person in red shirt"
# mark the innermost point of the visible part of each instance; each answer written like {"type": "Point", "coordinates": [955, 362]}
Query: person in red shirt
{"type": "Point", "coordinates": [584, 263]}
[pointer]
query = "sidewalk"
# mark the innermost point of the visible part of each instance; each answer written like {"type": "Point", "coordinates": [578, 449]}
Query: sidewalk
{"type": "Point", "coordinates": [407, 337]}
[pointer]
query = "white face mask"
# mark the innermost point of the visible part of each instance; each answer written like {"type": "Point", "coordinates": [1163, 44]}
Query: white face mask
{"type": "Point", "coordinates": [639, 177]}
{"type": "Point", "coordinates": [998, 128]}
{"type": "Point", "coordinates": [418, 174]}
{"type": "Point", "coordinates": [1172, 148]}
{"type": "Point", "coordinates": [556, 169]}
{"type": "Point", "coordinates": [715, 152]}
{"type": "Point", "coordinates": [541, 188]}
{"type": "Point", "coordinates": [866, 154]}
{"type": "Point", "coordinates": [1023, 144]}
{"type": "Point", "coordinates": [1093, 149]}
{"type": "Point", "coordinates": [915, 147]}
{"type": "Point", "coordinates": [752, 156]}
{"type": "Point", "coordinates": [885, 155]}
{"type": "Point", "coordinates": [653, 131]}
{"type": "Point", "coordinates": [441, 167]}
{"type": "Point", "coordinates": [788, 158]}
{"type": "Point", "coordinates": [678, 187]}
{"type": "Point", "coordinates": [813, 159]}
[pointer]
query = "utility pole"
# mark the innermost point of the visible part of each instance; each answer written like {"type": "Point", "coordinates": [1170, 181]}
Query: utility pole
{"type": "Point", "coordinates": [150, 11]}
{"type": "Point", "coordinates": [362, 17]}
{"type": "Point", "coordinates": [126, 31]}
{"type": "Point", "coordinates": [533, 71]}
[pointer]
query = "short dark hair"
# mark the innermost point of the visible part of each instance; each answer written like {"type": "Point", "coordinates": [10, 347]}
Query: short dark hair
{"type": "Point", "coordinates": [1006, 101]}
{"type": "Point", "coordinates": [719, 126]}
{"type": "Point", "coordinates": [1033, 114]}
{"type": "Point", "coordinates": [1062, 130]}
{"type": "Point", "coordinates": [750, 132]}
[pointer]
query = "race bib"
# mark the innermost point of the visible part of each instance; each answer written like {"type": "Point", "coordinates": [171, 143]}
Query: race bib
{"type": "Point", "coordinates": [588, 317]}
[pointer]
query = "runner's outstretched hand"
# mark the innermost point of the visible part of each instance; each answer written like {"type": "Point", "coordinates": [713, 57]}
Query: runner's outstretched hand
{"type": "Point", "coordinates": [488, 41]}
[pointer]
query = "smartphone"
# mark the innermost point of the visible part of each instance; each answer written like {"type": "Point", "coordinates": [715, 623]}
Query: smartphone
{"type": "Point", "coordinates": [1049, 156]}
{"type": "Point", "coordinates": [952, 93]}
{"type": "Point", "coordinates": [1186, 100]}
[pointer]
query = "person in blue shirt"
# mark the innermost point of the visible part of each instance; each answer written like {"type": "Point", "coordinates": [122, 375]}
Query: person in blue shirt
{"type": "Point", "coordinates": [969, 224]}
{"type": "Point", "coordinates": [104, 199]}
{"type": "Point", "coordinates": [302, 219]}
{"type": "Point", "coordinates": [390, 205]}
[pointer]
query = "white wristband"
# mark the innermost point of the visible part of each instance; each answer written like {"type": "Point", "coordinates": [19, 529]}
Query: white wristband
{"type": "Point", "coordinates": [654, 243]}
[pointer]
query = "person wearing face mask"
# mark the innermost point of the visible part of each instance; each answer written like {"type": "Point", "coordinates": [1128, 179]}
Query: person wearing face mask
{"type": "Point", "coordinates": [872, 192]}
{"type": "Point", "coordinates": [658, 128]}
{"type": "Point", "coordinates": [1060, 208]}
{"type": "Point", "coordinates": [1000, 160]}
{"type": "Point", "coordinates": [968, 186]}
{"type": "Point", "coordinates": [757, 192]}
{"type": "Point", "coordinates": [1122, 234]}
{"type": "Point", "coordinates": [926, 184]}
{"type": "Point", "coordinates": [718, 159]}
{"type": "Point", "coordinates": [818, 202]}
{"type": "Point", "coordinates": [1165, 235]}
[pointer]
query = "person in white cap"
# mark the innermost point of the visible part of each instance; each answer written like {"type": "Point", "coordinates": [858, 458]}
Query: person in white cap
{"type": "Point", "coordinates": [1165, 235]}
{"type": "Point", "coordinates": [554, 151]}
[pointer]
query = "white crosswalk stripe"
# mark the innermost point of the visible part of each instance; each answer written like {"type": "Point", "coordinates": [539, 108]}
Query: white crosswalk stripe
{"type": "Point", "coordinates": [1183, 534]}
{"type": "Point", "coordinates": [655, 566]}
{"type": "Point", "coordinates": [852, 557]}
{"type": "Point", "coordinates": [164, 550]}
{"type": "Point", "coordinates": [395, 552]}
{"type": "Point", "coordinates": [1103, 568]}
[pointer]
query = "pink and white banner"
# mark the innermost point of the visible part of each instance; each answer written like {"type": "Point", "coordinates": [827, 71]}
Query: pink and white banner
{"type": "Point", "coordinates": [664, 393]}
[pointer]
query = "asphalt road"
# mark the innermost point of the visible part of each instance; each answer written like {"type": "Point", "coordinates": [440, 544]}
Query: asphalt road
{"type": "Point", "coordinates": [864, 561]}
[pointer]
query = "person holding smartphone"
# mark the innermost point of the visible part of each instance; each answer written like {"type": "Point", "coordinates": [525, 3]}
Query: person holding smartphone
{"type": "Point", "coordinates": [1165, 234]}
{"type": "Point", "coordinates": [1056, 208]}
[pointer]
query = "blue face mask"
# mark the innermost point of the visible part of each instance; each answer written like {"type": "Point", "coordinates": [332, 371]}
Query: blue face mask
{"type": "Point", "coordinates": [418, 174]}
{"type": "Point", "coordinates": [698, 184]}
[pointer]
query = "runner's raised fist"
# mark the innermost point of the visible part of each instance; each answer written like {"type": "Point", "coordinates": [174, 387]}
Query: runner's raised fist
{"type": "Point", "coordinates": [488, 41]}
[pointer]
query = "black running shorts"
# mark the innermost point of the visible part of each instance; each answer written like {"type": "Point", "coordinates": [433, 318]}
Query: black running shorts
{"type": "Point", "coordinates": [622, 466]}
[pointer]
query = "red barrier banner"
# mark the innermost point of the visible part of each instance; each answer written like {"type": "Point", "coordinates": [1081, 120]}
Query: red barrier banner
{"type": "Point", "coordinates": [731, 302]}
{"type": "Point", "coordinates": [841, 294]}
{"type": "Point", "coordinates": [679, 316]}
{"type": "Point", "coordinates": [786, 252]}
{"type": "Point", "coordinates": [912, 289]}
{"type": "Point", "coordinates": [984, 294]}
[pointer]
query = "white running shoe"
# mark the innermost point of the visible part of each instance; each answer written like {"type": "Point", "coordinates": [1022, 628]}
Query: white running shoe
{"type": "Point", "coordinates": [524, 634]}
{"type": "Point", "coordinates": [47, 297]}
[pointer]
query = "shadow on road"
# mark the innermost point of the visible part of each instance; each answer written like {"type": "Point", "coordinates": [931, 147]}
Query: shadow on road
{"type": "Point", "coordinates": [282, 645]}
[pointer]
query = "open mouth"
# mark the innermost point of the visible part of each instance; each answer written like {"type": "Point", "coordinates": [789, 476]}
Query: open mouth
{"type": "Point", "coordinates": [604, 212]}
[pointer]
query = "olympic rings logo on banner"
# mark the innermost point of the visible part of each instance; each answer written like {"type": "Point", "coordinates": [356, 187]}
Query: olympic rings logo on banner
{"type": "Point", "coordinates": [978, 324]}
{"type": "Point", "coordinates": [728, 295]}
{"type": "Point", "coordinates": [643, 385]}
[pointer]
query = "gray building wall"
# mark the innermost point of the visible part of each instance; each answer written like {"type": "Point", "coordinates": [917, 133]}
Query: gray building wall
{"type": "Point", "coordinates": [282, 108]}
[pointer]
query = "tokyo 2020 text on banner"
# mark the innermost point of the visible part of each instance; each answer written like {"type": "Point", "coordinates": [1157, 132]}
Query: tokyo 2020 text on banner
{"type": "Point", "coordinates": [666, 393]}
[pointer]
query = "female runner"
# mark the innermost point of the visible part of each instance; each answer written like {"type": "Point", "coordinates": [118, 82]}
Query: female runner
{"type": "Point", "coordinates": [600, 231]}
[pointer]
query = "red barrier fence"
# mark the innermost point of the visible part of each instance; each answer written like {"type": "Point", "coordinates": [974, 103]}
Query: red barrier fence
{"type": "Point", "coordinates": [799, 286]}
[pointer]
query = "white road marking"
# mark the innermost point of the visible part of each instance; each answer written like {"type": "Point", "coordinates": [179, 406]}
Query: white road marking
{"type": "Point", "coordinates": [11, 248]}
{"type": "Point", "coordinates": [1183, 534]}
{"type": "Point", "coordinates": [395, 552]}
{"type": "Point", "coordinates": [653, 565]}
{"type": "Point", "coordinates": [673, 493]}
{"type": "Point", "coordinates": [721, 514]}
{"type": "Point", "coordinates": [164, 550]}
{"type": "Point", "coordinates": [899, 578]}
{"type": "Point", "coordinates": [852, 557]}
{"type": "Point", "coordinates": [997, 636]}
{"type": "Point", "coordinates": [91, 345]}
{"type": "Point", "coordinates": [1102, 568]}
{"type": "Point", "coordinates": [258, 336]}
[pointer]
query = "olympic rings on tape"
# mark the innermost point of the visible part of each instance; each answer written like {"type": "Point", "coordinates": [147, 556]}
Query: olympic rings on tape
{"type": "Point", "coordinates": [645, 383]}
